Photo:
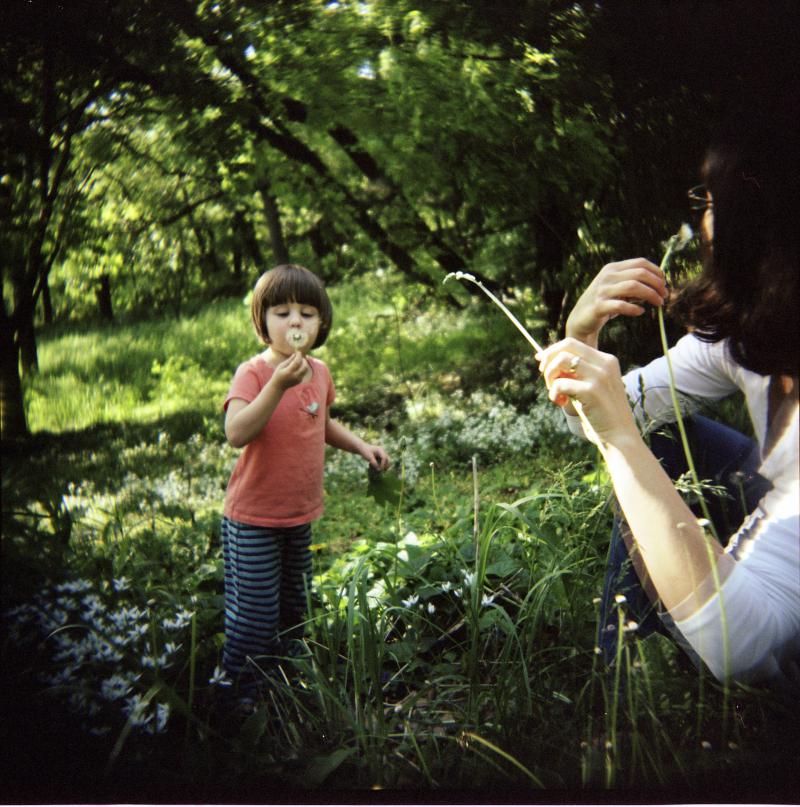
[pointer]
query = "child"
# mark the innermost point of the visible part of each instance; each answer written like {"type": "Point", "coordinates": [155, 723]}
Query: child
{"type": "Point", "coordinates": [277, 409]}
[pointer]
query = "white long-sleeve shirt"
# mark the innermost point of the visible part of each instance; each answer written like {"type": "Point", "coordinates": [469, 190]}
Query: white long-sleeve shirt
{"type": "Point", "coordinates": [758, 599]}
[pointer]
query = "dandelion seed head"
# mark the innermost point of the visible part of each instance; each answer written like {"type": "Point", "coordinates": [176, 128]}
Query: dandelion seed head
{"type": "Point", "coordinates": [685, 235]}
{"type": "Point", "coordinates": [459, 276]}
{"type": "Point", "coordinates": [296, 339]}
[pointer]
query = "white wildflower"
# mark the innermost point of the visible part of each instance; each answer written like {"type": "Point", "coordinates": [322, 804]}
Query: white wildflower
{"type": "Point", "coordinates": [162, 716]}
{"type": "Point", "coordinates": [99, 731]}
{"type": "Point", "coordinates": [219, 677]}
{"type": "Point", "coordinates": [135, 708]}
{"type": "Point", "coordinates": [93, 606]}
{"type": "Point", "coordinates": [182, 619]}
{"type": "Point", "coordinates": [121, 583]}
{"type": "Point", "coordinates": [487, 600]}
{"type": "Point", "coordinates": [620, 598]}
{"type": "Point", "coordinates": [411, 601]}
{"type": "Point", "coordinates": [469, 579]}
{"type": "Point", "coordinates": [105, 651]}
{"type": "Point", "coordinates": [114, 688]}
{"type": "Point", "coordinates": [431, 608]}
{"type": "Point", "coordinates": [73, 587]}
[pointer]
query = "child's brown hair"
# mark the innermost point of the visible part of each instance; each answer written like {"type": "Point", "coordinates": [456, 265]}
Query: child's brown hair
{"type": "Point", "coordinates": [290, 283]}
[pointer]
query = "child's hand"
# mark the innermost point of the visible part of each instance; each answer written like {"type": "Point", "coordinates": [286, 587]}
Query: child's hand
{"type": "Point", "coordinates": [289, 373]}
{"type": "Point", "coordinates": [375, 456]}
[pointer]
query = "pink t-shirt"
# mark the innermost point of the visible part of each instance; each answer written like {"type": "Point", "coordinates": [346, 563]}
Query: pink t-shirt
{"type": "Point", "coordinates": [277, 480]}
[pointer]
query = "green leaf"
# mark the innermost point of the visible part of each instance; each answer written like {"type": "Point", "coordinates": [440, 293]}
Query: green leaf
{"type": "Point", "coordinates": [254, 727]}
{"type": "Point", "coordinates": [385, 487]}
{"type": "Point", "coordinates": [321, 768]}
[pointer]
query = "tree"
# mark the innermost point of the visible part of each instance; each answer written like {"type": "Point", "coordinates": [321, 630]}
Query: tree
{"type": "Point", "coordinates": [59, 71]}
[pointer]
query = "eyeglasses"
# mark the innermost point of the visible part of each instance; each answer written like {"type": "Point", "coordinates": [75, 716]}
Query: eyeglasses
{"type": "Point", "coordinates": [699, 198]}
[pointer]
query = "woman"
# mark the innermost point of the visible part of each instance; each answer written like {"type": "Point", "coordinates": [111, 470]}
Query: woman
{"type": "Point", "coordinates": [737, 607]}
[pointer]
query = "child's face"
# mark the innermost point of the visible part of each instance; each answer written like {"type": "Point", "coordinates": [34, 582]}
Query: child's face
{"type": "Point", "coordinates": [292, 326]}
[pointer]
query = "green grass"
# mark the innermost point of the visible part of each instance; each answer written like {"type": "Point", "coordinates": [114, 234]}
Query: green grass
{"type": "Point", "coordinates": [447, 647]}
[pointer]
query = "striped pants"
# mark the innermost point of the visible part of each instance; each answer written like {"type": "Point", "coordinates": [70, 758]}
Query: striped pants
{"type": "Point", "coordinates": [267, 570]}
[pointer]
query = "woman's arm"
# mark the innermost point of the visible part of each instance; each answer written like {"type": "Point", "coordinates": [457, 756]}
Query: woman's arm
{"type": "Point", "coordinates": [672, 545]}
{"type": "Point", "coordinates": [340, 436]}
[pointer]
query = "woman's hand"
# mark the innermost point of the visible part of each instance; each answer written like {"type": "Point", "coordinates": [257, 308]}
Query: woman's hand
{"type": "Point", "coordinates": [574, 371]}
{"type": "Point", "coordinates": [619, 288]}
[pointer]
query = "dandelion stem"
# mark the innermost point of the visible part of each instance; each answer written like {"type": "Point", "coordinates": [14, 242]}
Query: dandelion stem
{"type": "Point", "coordinates": [520, 327]}
{"type": "Point", "coordinates": [675, 244]}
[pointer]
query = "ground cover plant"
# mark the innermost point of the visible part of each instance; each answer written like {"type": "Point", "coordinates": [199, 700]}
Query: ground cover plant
{"type": "Point", "coordinates": [450, 635]}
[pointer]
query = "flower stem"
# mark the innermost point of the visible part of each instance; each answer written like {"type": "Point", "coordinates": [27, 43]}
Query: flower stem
{"type": "Point", "coordinates": [673, 245]}
{"type": "Point", "coordinates": [520, 327]}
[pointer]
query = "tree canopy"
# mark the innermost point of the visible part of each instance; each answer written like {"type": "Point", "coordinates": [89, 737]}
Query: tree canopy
{"type": "Point", "coordinates": [157, 154]}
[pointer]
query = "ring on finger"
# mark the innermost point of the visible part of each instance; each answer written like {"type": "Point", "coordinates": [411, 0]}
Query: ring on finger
{"type": "Point", "coordinates": [574, 362]}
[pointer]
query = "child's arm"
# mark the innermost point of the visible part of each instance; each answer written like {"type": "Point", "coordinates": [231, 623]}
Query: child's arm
{"type": "Point", "coordinates": [243, 420]}
{"type": "Point", "coordinates": [340, 436]}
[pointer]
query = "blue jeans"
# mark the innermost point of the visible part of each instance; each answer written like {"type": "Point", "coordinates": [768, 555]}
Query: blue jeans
{"type": "Point", "coordinates": [722, 455]}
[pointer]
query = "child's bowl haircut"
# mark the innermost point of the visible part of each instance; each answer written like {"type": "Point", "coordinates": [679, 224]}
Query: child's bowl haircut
{"type": "Point", "coordinates": [290, 283]}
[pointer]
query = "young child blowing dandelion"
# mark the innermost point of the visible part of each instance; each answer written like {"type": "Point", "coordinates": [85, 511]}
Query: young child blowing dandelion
{"type": "Point", "coordinates": [277, 409]}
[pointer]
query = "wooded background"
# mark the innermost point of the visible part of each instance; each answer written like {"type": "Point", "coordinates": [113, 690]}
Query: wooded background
{"type": "Point", "coordinates": [160, 153]}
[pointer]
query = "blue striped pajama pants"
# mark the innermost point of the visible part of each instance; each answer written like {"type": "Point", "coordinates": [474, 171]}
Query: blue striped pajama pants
{"type": "Point", "coordinates": [267, 571]}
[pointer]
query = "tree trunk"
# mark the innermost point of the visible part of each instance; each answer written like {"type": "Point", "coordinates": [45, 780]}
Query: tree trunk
{"type": "Point", "coordinates": [103, 293]}
{"type": "Point", "coordinates": [47, 303]}
{"type": "Point", "coordinates": [280, 251]}
{"type": "Point", "coordinates": [26, 337]}
{"type": "Point", "coordinates": [12, 408]}
{"type": "Point", "coordinates": [238, 256]}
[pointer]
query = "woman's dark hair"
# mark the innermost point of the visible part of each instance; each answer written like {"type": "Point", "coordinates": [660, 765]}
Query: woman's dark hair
{"type": "Point", "coordinates": [290, 283]}
{"type": "Point", "coordinates": [748, 290]}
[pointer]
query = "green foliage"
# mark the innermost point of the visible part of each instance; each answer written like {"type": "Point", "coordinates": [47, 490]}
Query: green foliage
{"type": "Point", "coordinates": [446, 646]}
